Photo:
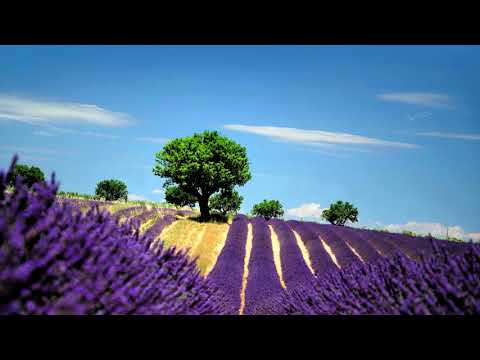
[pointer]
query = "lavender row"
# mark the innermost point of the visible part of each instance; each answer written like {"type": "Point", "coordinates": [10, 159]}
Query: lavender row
{"type": "Point", "coordinates": [378, 241]}
{"type": "Point", "coordinates": [340, 249]}
{"type": "Point", "coordinates": [263, 282]}
{"type": "Point", "coordinates": [156, 229]}
{"type": "Point", "coordinates": [440, 284]}
{"type": "Point", "coordinates": [227, 274]}
{"type": "Point", "coordinates": [54, 260]}
{"type": "Point", "coordinates": [294, 269]}
{"type": "Point", "coordinates": [321, 261]}
{"type": "Point", "coordinates": [357, 242]}
{"type": "Point", "coordinates": [144, 216]}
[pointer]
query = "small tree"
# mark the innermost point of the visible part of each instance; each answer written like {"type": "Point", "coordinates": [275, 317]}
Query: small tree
{"type": "Point", "coordinates": [202, 165]}
{"type": "Point", "coordinates": [268, 209]}
{"type": "Point", "coordinates": [29, 174]}
{"type": "Point", "coordinates": [176, 196]}
{"type": "Point", "coordinates": [226, 202]}
{"type": "Point", "coordinates": [112, 190]}
{"type": "Point", "coordinates": [340, 212]}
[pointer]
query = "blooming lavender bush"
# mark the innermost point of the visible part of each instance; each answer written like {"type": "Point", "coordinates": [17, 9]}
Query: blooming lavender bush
{"type": "Point", "coordinates": [227, 273]}
{"type": "Point", "coordinates": [263, 282]}
{"type": "Point", "coordinates": [294, 269]}
{"type": "Point", "coordinates": [321, 261]}
{"type": "Point", "coordinates": [440, 284]}
{"type": "Point", "coordinates": [54, 260]}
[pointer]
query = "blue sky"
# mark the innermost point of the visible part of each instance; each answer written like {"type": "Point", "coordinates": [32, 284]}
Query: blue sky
{"type": "Point", "coordinates": [393, 129]}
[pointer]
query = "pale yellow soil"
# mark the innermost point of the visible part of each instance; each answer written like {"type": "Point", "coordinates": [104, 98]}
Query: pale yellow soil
{"type": "Point", "coordinates": [204, 240]}
{"type": "Point", "coordinates": [248, 251]}
{"type": "Point", "coordinates": [210, 246]}
{"type": "Point", "coordinates": [276, 254]}
{"type": "Point", "coordinates": [303, 249]}
{"type": "Point", "coordinates": [328, 249]}
{"type": "Point", "coordinates": [354, 251]}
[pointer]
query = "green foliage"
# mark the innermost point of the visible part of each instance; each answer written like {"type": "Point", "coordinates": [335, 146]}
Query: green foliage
{"type": "Point", "coordinates": [75, 195]}
{"type": "Point", "coordinates": [202, 165]}
{"type": "Point", "coordinates": [410, 233]}
{"type": "Point", "coordinates": [340, 212]}
{"type": "Point", "coordinates": [268, 209]}
{"type": "Point", "coordinates": [29, 174]}
{"type": "Point", "coordinates": [226, 202]}
{"type": "Point", "coordinates": [111, 190]}
{"type": "Point", "coordinates": [176, 196]}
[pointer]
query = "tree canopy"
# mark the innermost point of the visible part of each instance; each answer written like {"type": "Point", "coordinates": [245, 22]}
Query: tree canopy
{"type": "Point", "coordinates": [29, 174]}
{"type": "Point", "coordinates": [226, 202]}
{"type": "Point", "coordinates": [201, 165]}
{"type": "Point", "coordinates": [340, 212]}
{"type": "Point", "coordinates": [268, 209]}
{"type": "Point", "coordinates": [112, 190]}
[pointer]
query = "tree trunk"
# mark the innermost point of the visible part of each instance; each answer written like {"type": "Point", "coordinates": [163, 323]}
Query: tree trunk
{"type": "Point", "coordinates": [204, 209]}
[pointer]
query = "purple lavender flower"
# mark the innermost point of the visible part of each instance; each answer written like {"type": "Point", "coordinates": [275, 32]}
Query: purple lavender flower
{"type": "Point", "coordinates": [55, 260]}
{"type": "Point", "coordinates": [227, 273]}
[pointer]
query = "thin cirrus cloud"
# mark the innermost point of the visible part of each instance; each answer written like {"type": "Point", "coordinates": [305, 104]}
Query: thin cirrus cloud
{"type": "Point", "coordinates": [42, 133]}
{"type": "Point", "coordinates": [446, 135]}
{"type": "Point", "coordinates": [157, 191]}
{"type": "Point", "coordinates": [434, 100]}
{"type": "Point", "coordinates": [317, 138]}
{"type": "Point", "coordinates": [27, 153]}
{"type": "Point", "coordinates": [153, 140]}
{"type": "Point", "coordinates": [39, 112]}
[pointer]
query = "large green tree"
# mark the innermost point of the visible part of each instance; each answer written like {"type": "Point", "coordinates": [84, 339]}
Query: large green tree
{"type": "Point", "coordinates": [340, 212]}
{"type": "Point", "coordinates": [201, 165]}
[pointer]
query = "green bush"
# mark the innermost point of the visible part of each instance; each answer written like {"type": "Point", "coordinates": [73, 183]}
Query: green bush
{"type": "Point", "coordinates": [226, 202]}
{"type": "Point", "coordinates": [340, 212]}
{"type": "Point", "coordinates": [111, 190]}
{"type": "Point", "coordinates": [268, 209]}
{"type": "Point", "coordinates": [29, 174]}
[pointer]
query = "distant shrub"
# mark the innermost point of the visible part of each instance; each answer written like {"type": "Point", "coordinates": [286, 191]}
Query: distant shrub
{"type": "Point", "coordinates": [226, 202]}
{"type": "Point", "coordinates": [29, 175]}
{"type": "Point", "coordinates": [409, 233]}
{"type": "Point", "coordinates": [268, 209]}
{"type": "Point", "coordinates": [340, 212]}
{"type": "Point", "coordinates": [112, 190]}
{"type": "Point", "coordinates": [176, 196]}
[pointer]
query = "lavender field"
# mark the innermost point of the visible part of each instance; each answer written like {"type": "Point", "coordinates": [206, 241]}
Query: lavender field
{"type": "Point", "coordinates": [72, 256]}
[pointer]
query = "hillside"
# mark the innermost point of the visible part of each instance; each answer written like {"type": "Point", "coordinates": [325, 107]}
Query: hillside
{"type": "Point", "coordinates": [254, 261]}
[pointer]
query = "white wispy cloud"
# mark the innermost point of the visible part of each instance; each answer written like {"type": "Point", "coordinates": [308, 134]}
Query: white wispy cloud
{"type": "Point", "coordinates": [317, 138]}
{"type": "Point", "coordinates": [446, 135]}
{"type": "Point", "coordinates": [419, 115]}
{"type": "Point", "coordinates": [306, 210]}
{"type": "Point", "coordinates": [418, 98]}
{"type": "Point", "coordinates": [153, 140]}
{"type": "Point", "coordinates": [436, 229]}
{"type": "Point", "coordinates": [42, 133]}
{"type": "Point", "coordinates": [61, 130]}
{"type": "Point", "coordinates": [30, 150]}
{"type": "Point", "coordinates": [135, 197]}
{"type": "Point", "coordinates": [157, 191]}
{"type": "Point", "coordinates": [27, 157]}
{"type": "Point", "coordinates": [35, 111]}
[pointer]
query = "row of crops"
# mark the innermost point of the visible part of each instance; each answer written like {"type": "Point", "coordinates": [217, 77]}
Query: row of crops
{"type": "Point", "coordinates": [74, 256]}
{"type": "Point", "coordinates": [344, 271]}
